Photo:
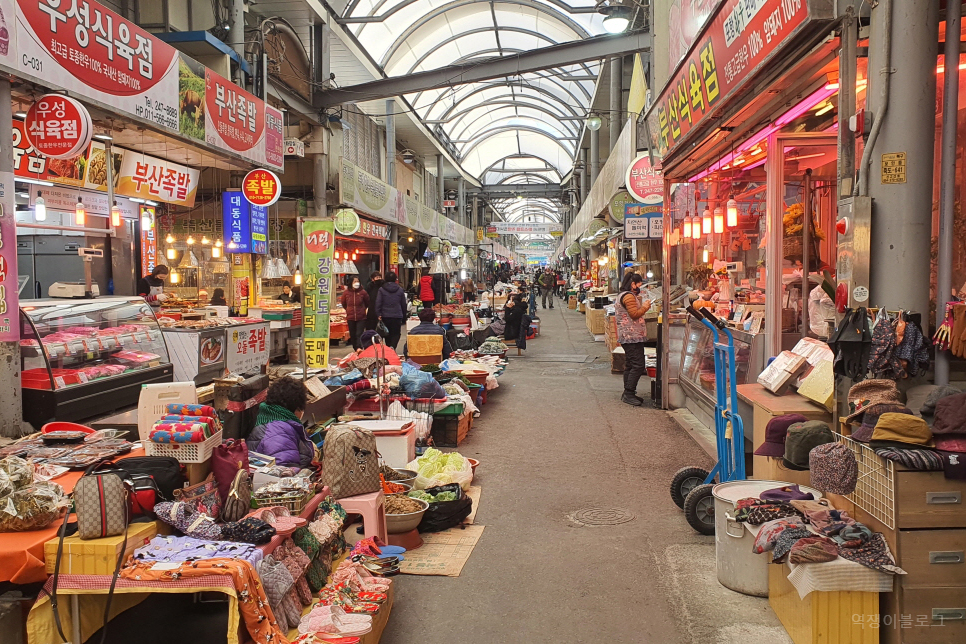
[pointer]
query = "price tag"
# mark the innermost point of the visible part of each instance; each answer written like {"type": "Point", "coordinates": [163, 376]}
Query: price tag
{"type": "Point", "coordinates": [59, 382]}
{"type": "Point", "coordinates": [82, 376]}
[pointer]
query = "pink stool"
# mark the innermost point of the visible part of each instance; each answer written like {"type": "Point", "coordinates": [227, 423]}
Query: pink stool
{"type": "Point", "coordinates": [370, 507]}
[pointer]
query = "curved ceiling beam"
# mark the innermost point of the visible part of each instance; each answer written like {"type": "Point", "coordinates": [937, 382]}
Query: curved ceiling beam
{"type": "Point", "coordinates": [489, 134]}
{"type": "Point", "coordinates": [511, 156]}
{"type": "Point", "coordinates": [541, 90]}
{"type": "Point", "coordinates": [472, 32]}
{"type": "Point", "coordinates": [579, 32]}
{"type": "Point", "coordinates": [570, 125]}
{"type": "Point", "coordinates": [468, 134]}
{"type": "Point", "coordinates": [348, 19]}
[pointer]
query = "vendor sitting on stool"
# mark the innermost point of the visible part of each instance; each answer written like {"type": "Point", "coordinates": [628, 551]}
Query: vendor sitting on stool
{"type": "Point", "coordinates": [278, 431]}
{"type": "Point", "coordinates": [427, 326]}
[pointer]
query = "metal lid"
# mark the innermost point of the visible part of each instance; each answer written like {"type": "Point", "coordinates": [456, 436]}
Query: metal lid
{"type": "Point", "coordinates": [735, 490]}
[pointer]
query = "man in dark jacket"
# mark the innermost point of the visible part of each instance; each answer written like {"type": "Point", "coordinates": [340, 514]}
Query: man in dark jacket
{"type": "Point", "coordinates": [391, 307]}
{"type": "Point", "coordinates": [427, 326]}
{"type": "Point", "coordinates": [547, 284]}
{"type": "Point", "coordinates": [372, 289]}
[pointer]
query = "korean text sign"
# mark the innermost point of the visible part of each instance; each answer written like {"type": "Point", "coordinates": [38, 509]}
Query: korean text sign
{"type": "Point", "coordinates": [742, 37]}
{"type": "Point", "coordinates": [318, 246]}
{"type": "Point", "coordinates": [247, 347]}
{"type": "Point", "coordinates": [236, 222]}
{"type": "Point", "coordinates": [643, 221]}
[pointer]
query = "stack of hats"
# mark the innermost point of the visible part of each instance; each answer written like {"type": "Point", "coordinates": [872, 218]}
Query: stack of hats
{"type": "Point", "coordinates": [949, 426]}
{"type": "Point", "coordinates": [775, 432]}
{"type": "Point", "coordinates": [907, 440]}
{"type": "Point", "coordinates": [801, 440]}
{"type": "Point", "coordinates": [871, 416]}
{"type": "Point", "coordinates": [929, 406]}
{"type": "Point", "coordinates": [868, 393]}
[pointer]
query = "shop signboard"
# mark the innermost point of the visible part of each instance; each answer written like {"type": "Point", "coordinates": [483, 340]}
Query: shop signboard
{"type": "Point", "coordinates": [261, 187]}
{"type": "Point", "coordinates": [148, 177]}
{"type": "Point", "coordinates": [372, 230]}
{"type": "Point", "coordinates": [102, 57]}
{"type": "Point", "coordinates": [259, 218]}
{"type": "Point", "coordinates": [64, 199]}
{"type": "Point", "coordinates": [524, 228]}
{"type": "Point", "coordinates": [347, 222]}
{"type": "Point", "coordinates": [236, 222]}
{"type": "Point", "coordinates": [616, 206]}
{"type": "Point", "coordinates": [247, 347]}
{"type": "Point", "coordinates": [294, 148]}
{"type": "Point", "coordinates": [742, 36]}
{"type": "Point", "coordinates": [58, 126]}
{"type": "Point", "coordinates": [393, 254]}
{"type": "Point", "coordinates": [643, 221]}
{"type": "Point", "coordinates": [318, 246]}
{"type": "Point", "coordinates": [644, 183]}
{"type": "Point", "coordinates": [9, 300]}
{"type": "Point", "coordinates": [412, 212]}
{"type": "Point", "coordinates": [149, 239]}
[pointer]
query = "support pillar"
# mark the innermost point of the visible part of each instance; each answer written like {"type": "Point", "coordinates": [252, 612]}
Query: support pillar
{"type": "Point", "coordinates": [391, 142]}
{"type": "Point", "coordinates": [461, 202]}
{"type": "Point", "coordinates": [320, 177]}
{"type": "Point", "coordinates": [11, 412]}
{"type": "Point", "coordinates": [616, 111]}
{"type": "Point", "coordinates": [439, 183]}
{"type": "Point", "coordinates": [594, 157]}
{"type": "Point", "coordinates": [947, 190]}
{"type": "Point", "coordinates": [847, 77]}
{"type": "Point", "coordinates": [236, 32]}
{"type": "Point", "coordinates": [902, 219]}
{"type": "Point", "coordinates": [584, 174]}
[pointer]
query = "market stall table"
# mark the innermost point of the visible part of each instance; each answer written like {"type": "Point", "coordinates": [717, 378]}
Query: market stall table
{"type": "Point", "coordinates": [22, 553]}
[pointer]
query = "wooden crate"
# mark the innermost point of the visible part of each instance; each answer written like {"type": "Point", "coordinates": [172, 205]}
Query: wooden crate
{"type": "Point", "coordinates": [450, 431]}
{"type": "Point", "coordinates": [823, 617]}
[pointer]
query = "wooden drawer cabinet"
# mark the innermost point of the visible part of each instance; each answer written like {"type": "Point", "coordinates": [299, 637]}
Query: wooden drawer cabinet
{"type": "Point", "coordinates": [932, 558]}
{"type": "Point", "coordinates": [934, 615]}
{"type": "Point", "coordinates": [929, 500]}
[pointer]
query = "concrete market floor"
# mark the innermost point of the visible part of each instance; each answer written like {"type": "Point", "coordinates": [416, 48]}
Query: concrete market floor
{"type": "Point", "coordinates": [552, 440]}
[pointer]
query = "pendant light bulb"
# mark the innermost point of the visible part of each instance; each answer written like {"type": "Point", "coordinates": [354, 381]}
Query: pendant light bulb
{"type": "Point", "coordinates": [732, 213]}
{"type": "Point", "coordinates": [171, 253]}
{"type": "Point", "coordinates": [695, 228]}
{"type": "Point", "coordinates": [169, 239]}
{"type": "Point", "coordinates": [704, 255]}
{"type": "Point", "coordinates": [687, 227]}
{"type": "Point", "coordinates": [190, 241]}
{"type": "Point", "coordinates": [297, 278]}
{"type": "Point", "coordinates": [80, 213]}
{"type": "Point", "coordinates": [718, 220]}
{"type": "Point", "coordinates": [204, 240]}
{"type": "Point", "coordinates": [218, 243]}
{"type": "Point", "coordinates": [40, 208]}
{"type": "Point", "coordinates": [175, 277]}
{"type": "Point", "coordinates": [216, 252]}
{"type": "Point", "coordinates": [116, 215]}
{"type": "Point", "coordinates": [706, 222]}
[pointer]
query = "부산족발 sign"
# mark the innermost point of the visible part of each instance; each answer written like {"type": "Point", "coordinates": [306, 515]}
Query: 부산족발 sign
{"type": "Point", "coordinates": [97, 55]}
{"type": "Point", "coordinates": [318, 246]}
{"type": "Point", "coordinates": [742, 36]}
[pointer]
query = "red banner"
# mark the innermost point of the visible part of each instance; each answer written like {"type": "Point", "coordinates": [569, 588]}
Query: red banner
{"type": "Point", "coordinates": [742, 37]}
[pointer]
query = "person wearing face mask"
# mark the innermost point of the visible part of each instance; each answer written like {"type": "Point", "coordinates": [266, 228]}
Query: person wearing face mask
{"type": "Point", "coordinates": [631, 333]}
{"type": "Point", "coordinates": [151, 287]}
{"type": "Point", "coordinates": [355, 301]}
{"type": "Point", "coordinates": [278, 429]}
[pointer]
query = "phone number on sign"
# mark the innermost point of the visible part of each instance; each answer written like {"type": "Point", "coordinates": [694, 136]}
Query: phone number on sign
{"type": "Point", "coordinates": [158, 112]}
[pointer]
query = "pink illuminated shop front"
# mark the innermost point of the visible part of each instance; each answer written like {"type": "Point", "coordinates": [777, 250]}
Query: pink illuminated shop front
{"type": "Point", "coordinates": [748, 150]}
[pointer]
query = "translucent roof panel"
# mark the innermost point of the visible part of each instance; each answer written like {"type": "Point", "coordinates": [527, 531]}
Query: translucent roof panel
{"type": "Point", "coordinates": [534, 117]}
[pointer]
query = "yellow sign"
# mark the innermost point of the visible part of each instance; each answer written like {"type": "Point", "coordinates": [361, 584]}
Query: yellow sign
{"type": "Point", "coordinates": [894, 167]}
{"type": "Point", "coordinates": [480, 233]}
{"type": "Point", "coordinates": [393, 254]}
{"type": "Point", "coordinates": [637, 96]}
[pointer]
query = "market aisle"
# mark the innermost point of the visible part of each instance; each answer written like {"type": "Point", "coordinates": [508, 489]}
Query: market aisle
{"type": "Point", "coordinates": [555, 439]}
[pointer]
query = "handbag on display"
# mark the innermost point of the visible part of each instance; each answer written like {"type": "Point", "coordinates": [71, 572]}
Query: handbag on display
{"type": "Point", "coordinates": [227, 459]}
{"type": "Point", "coordinates": [350, 462]}
{"type": "Point", "coordinates": [202, 497]}
{"type": "Point", "coordinates": [239, 499]}
{"type": "Point", "coordinates": [165, 471]}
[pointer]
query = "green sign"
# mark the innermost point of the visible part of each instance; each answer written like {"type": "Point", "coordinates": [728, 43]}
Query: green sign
{"type": "Point", "coordinates": [318, 284]}
{"type": "Point", "coordinates": [347, 222]}
{"type": "Point", "coordinates": [617, 203]}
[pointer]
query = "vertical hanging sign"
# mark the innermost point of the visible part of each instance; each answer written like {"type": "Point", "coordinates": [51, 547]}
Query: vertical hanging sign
{"type": "Point", "coordinates": [318, 246]}
{"type": "Point", "coordinates": [149, 241]}
{"type": "Point", "coordinates": [9, 301]}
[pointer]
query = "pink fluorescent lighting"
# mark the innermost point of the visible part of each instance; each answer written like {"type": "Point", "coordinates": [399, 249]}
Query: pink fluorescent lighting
{"type": "Point", "coordinates": [817, 97]}
{"type": "Point", "coordinates": [754, 141]}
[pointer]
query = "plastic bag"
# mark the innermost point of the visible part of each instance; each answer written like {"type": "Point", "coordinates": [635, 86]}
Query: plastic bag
{"type": "Point", "coordinates": [420, 384]}
{"type": "Point", "coordinates": [434, 468]}
{"type": "Point", "coordinates": [423, 422]}
{"type": "Point", "coordinates": [32, 508]}
{"type": "Point", "coordinates": [21, 472]}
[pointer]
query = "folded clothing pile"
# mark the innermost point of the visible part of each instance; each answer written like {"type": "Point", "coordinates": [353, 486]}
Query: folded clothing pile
{"type": "Point", "coordinates": [186, 424]}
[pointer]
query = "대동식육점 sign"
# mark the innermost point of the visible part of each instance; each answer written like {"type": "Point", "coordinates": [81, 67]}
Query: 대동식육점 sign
{"type": "Point", "coordinates": [236, 222]}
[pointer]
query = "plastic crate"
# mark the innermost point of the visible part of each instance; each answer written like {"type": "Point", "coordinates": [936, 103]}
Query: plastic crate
{"type": "Point", "coordinates": [155, 398]}
{"type": "Point", "coordinates": [452, 409]}
{"type": "Point", "coordinates": [185, 452]}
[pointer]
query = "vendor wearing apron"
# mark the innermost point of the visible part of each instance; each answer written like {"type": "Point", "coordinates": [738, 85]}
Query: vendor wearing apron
{"type": "Point", "coordinates": [151, 287]}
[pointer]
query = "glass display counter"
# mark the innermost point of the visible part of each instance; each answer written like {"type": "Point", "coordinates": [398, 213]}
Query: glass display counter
{"type": "Point", "coordinates": [697, 361]}
{"type": "Point", "coordinates": [83, 358]}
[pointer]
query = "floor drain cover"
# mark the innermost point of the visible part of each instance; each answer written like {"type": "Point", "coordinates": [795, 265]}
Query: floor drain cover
{"type": "Point", "coordinates": [601, 516]}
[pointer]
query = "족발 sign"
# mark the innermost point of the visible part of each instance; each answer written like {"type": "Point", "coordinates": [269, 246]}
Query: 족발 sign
{"type": "Point", "coordinates": [261, 187]}
{"type": "Point", "coordinates": [247, 347]}
{"type": "Point", "coordinates": [58, 126]}
{"type": "Point", "coordinates": [894, 167]}
{"type": "Point", "coordinates": [149, 239]}
{"type": "Point", "coordinates": [742, 37]}
{"type": "Point", "coordinates": [318, 246]}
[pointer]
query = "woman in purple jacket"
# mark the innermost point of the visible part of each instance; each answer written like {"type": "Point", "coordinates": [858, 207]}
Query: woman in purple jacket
{"type": "Point", "coordinates": [278, 431]}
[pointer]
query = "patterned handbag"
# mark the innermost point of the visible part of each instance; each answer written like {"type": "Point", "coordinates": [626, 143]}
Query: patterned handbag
{"type": "Point", "coordinates": [101, 505]}
{"type": "Point", "coordinates": [239, 500]}
{"type": "Point", "coordinates": [350, 463]}
{"type": "Point", "coordinates": [202, 497]}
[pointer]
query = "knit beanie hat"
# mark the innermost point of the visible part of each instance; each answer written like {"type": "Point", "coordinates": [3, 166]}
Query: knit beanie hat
{"type": "Point", "coordinates": [937, 394]}
{"type": "Point", "coordinates": [833, 468]}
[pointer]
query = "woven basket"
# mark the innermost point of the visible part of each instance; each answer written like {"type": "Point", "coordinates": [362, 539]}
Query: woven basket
{"type": "Point", "coordinates": [792, 248]}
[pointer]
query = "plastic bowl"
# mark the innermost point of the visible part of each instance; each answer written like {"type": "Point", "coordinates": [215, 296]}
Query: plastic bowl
{"type": "Point", "coordinates": [61, 426]}
{"type": "Point", "coordinates": [399, 523]}
{"type": "Point", "coordinates": [473, 463]}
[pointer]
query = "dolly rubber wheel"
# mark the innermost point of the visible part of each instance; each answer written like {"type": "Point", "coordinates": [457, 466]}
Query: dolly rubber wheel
{"type": "Point", "coordinates": [684, 481]}
{"type": "Point", "coordinates": [699, 509]}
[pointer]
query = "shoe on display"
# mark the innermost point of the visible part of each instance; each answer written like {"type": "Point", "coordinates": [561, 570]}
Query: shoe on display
{"type": "Point", "coordinates": [631, 399]}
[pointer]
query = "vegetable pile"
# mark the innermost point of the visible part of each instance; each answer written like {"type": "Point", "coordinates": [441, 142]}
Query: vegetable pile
{"type": "Point", "coordinates": [429, 498]}
{"type": "Point", "coordinates": [398, 504]}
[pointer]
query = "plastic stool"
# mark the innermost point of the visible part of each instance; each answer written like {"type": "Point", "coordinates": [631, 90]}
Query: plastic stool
{"type": "Point", "coordinates": [370, 507]}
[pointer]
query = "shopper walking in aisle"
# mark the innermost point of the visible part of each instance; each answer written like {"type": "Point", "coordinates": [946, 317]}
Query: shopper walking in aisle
{"type": "Point", "coordinates": [547, 284]}
{"type": "Point", "coordinates": [372, 289]}
{"type": "Point", "coordinates": [513, 316]}
{"type": "Point", "coordinates": [391, 307]}
{"type": "Point", "coordinates": [631, 333]}
{"type": "Point", "coordinates": [426, 294]}
{"type": "Point", "coordinates": [355, 301]}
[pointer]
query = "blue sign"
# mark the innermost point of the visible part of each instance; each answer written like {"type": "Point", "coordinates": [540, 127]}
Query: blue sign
{"type": "Point", "coordinates": [259, 218]}
{"type": "Point", "coordinates": [643, 221]}
{"type": "Point", "coordinates": [244, 224]}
